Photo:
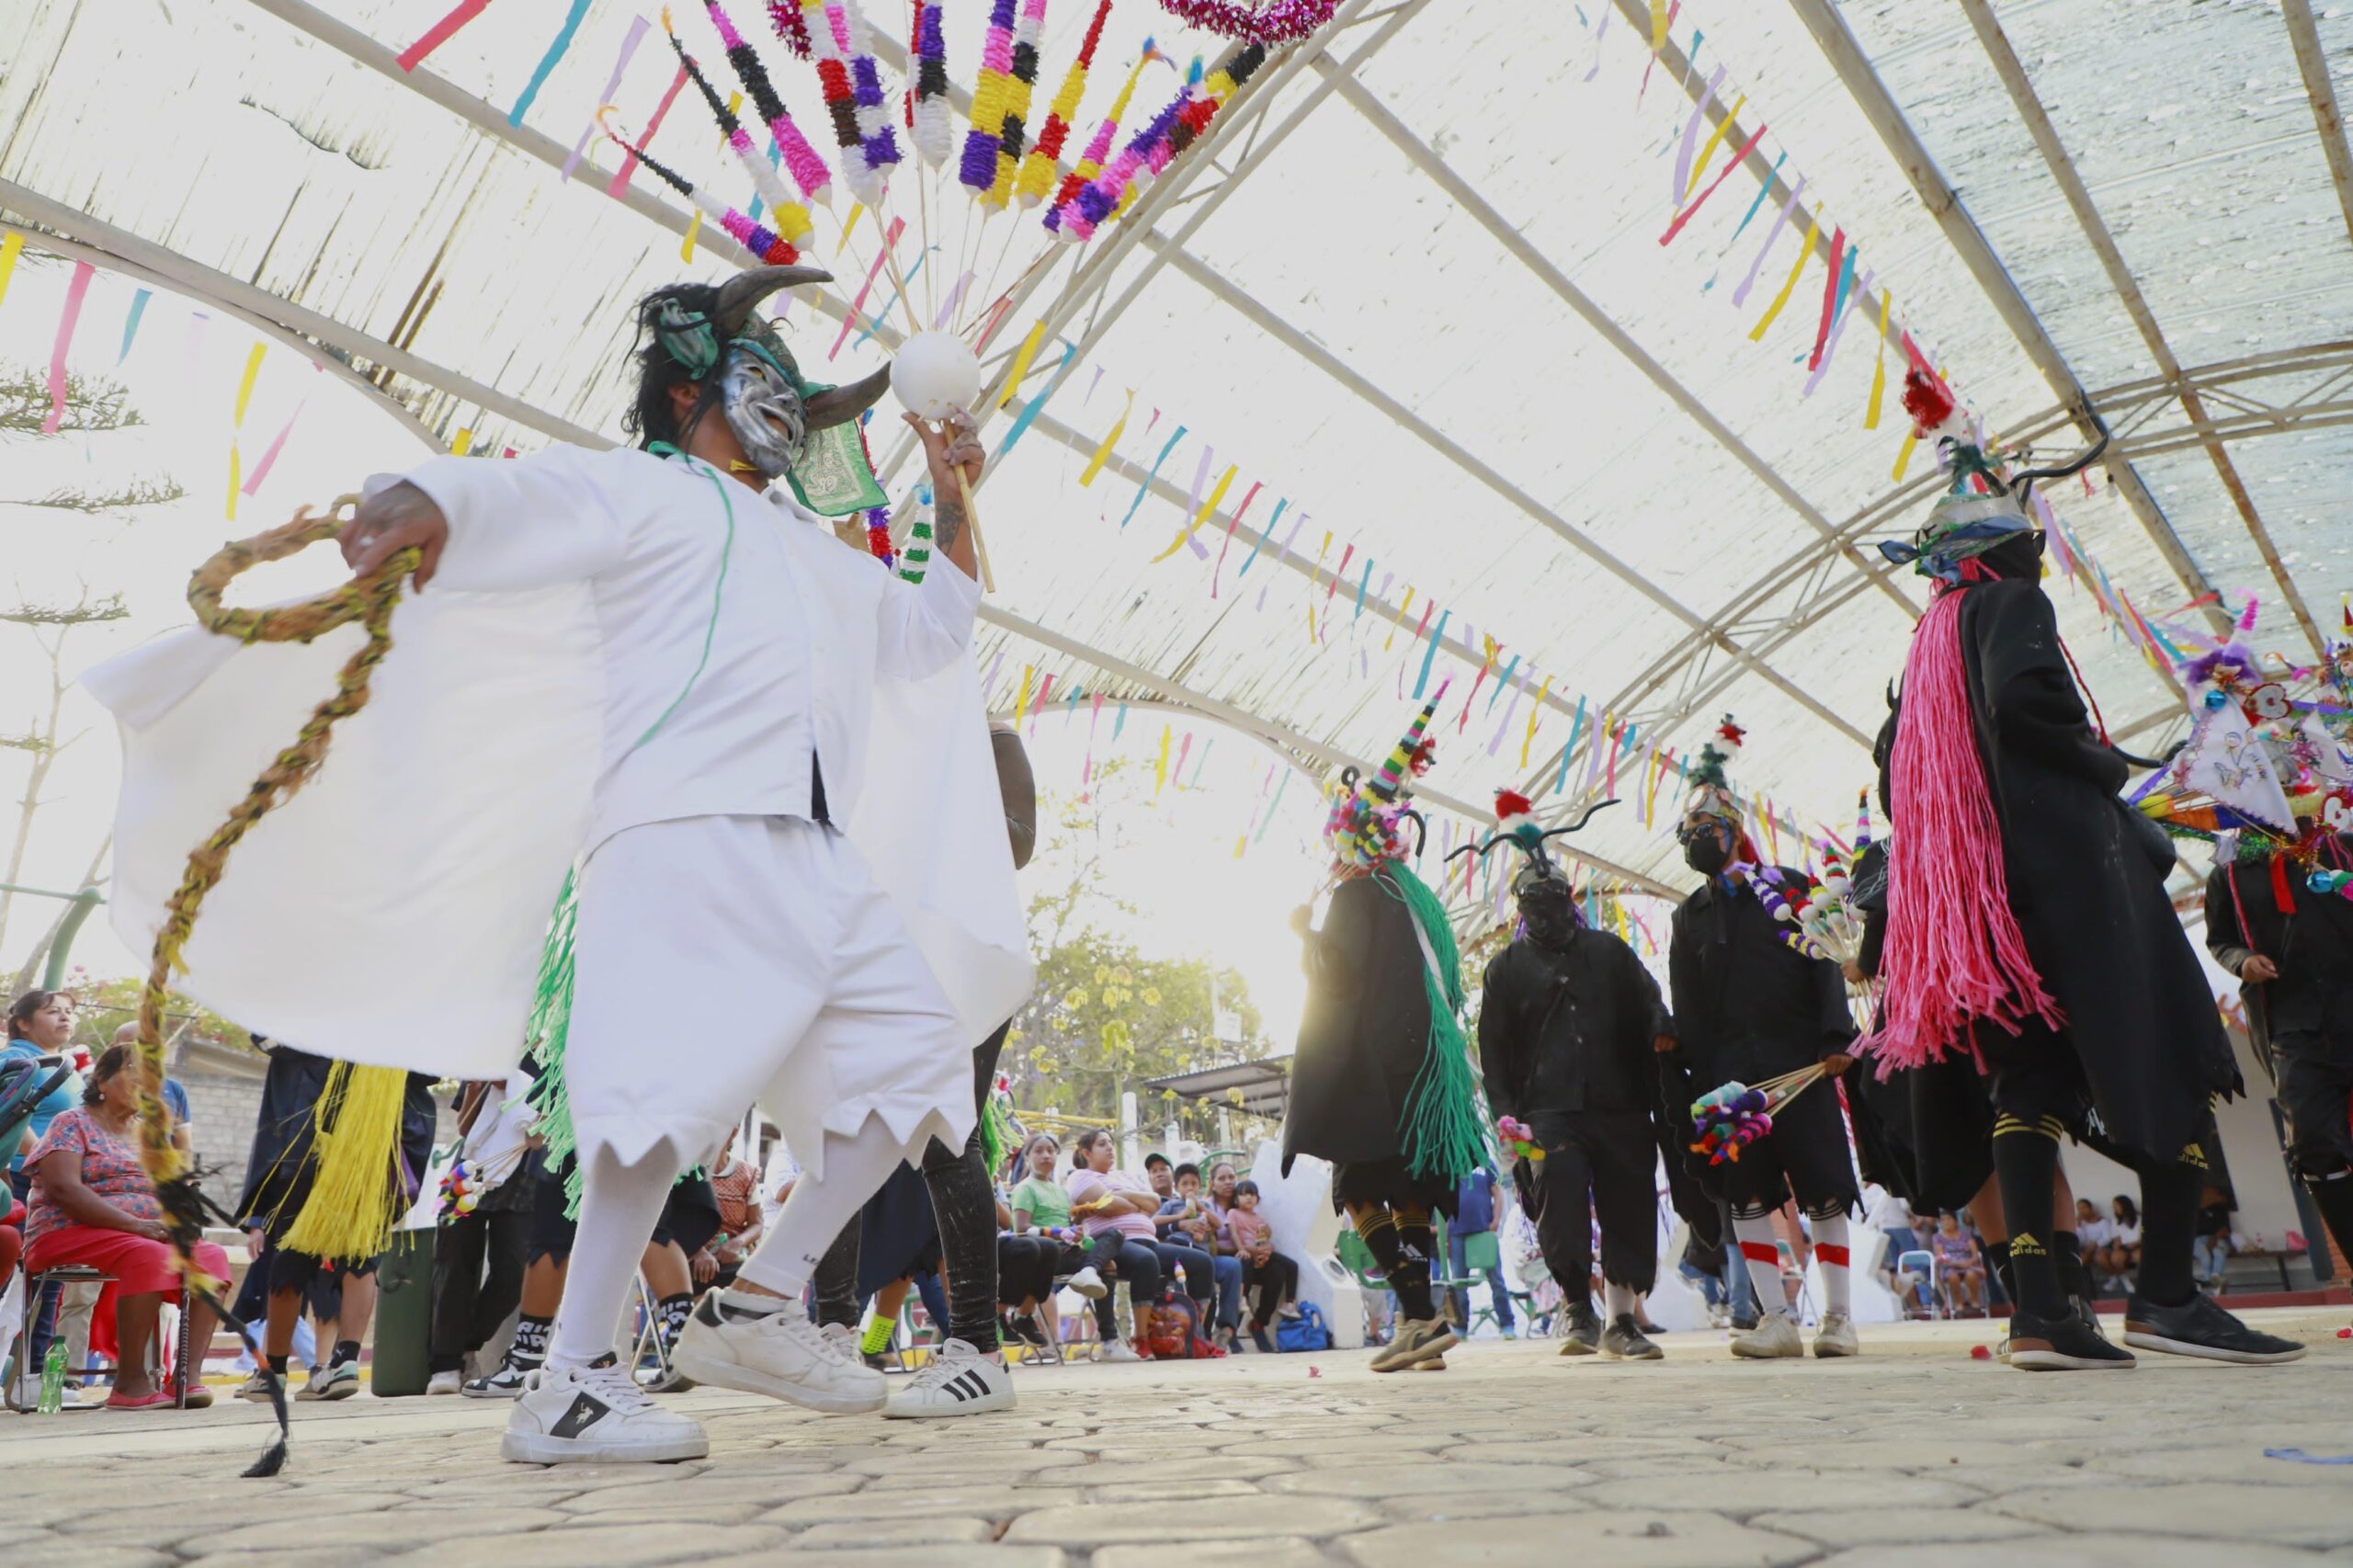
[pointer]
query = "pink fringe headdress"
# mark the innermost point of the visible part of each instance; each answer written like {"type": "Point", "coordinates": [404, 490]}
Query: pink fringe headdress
{"type": "Point", "coordinates": [1954, 953]}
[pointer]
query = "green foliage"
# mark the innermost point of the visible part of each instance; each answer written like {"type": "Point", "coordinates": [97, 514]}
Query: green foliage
{"type": "Point", "coordinates": [105, 1005]}
{"type": "Point", "coordinates": [92, 402]}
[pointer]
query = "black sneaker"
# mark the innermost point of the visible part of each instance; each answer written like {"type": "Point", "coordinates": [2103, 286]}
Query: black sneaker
{"type": "Point", "coordinates": [2062, 1345]}
{"type": "Point", "coordinates": [1580, 1330]}
{"type": "Point", "coordinates": [1623, 1340]}
{"type": "Point", "coordinates": [2200, 1327]}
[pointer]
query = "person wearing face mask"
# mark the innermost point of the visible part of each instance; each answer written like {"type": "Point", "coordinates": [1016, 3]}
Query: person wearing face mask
{"type": "Point", "coordinates": [1569, 1030]}
{"type": "Point", "coordinates": [1749, 1006]}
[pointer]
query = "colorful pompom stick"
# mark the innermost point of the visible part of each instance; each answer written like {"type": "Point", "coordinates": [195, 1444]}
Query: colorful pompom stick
{"type": "Point", "coordinates": [1037, 166]}
{"type": "Point", "coordinates": [1098, 148]}
{"type": "Point", "coordinates": [809, 171]}
{"type": "Point", "coordinates": [1013, 127]}
{"type": "Point", "coordinates": [978, 168]}
{"type": "Point", "coordinates": [931, 119]}
{"type": "Point", "coordinates": [878, 143]}
{"type": "Point", "coordinates": [761, 241]}
{"type": "Point", "coordinates": [791, 219]}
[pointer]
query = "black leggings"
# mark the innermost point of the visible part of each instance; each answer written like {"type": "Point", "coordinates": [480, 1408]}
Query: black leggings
{"type": "Point", "coordinates": [1024, 1268]}
{"type": "Point", "coordinates": [963, 1203]}
{"type": "Point", "coordinates": [1276, 1280]}
{"type": "Point", "coordinates": [1137, 1264]}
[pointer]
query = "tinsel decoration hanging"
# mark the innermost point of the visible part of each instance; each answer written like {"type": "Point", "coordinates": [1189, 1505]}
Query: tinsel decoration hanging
{"type": "Point", "coordinates": [1037, 166]}
{"type": "Point", "coordinates": [1013, 129]}
{"type": "Point", "coordinates": [878, 145]}
{"type": "Point", "coordinates": [784, 15]}
{"type": "Point", "coordinates": [809, 171]}
{"type": "Point", "coordinates": [793, 224]}
{"type": "Point", "coordinates": [1107, 191]}
{"type": "Point", "coordinates": [829, 44]}
{"type": "Point", "coordinates": [1098, 147]}
{"type": "Point", "coordinates": [1280, 21]}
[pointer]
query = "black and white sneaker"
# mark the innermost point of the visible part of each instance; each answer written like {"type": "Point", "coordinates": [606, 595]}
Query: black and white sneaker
{"type": "Point", "coordinates": [777, 1352]}
{"type": "Point", "coordinates": [1622, 1340]}
{"type": "Point", "coordinates": [959, 1381]}
{"type": "Point", "coordinates": [2200, 1327]}
{"type": "Point", "coordinates": [2061, 1345]}
{"type": "Point", "coordinates": [1579, 1330]}
{"type": "Point", "coordinates": [504, 1383]}
{"type": "Point", "coordinates": [597, 1414]}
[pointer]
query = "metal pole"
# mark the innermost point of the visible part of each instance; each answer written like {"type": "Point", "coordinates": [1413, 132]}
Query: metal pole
{"type": "Point", "coordinates": [83, 902]}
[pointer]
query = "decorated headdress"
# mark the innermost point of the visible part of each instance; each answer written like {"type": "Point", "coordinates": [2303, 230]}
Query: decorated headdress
{"type": "Point", "coordinates": [1363, 824]}
{"type": "Point", "coordinates": [1710, 789]}
{"type": "Point", "coordinates": [1516, 824]}
{"type": "Point", "coordinates": [1981, 509]}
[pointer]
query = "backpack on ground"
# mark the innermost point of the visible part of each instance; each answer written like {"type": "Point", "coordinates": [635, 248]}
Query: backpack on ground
{"type": "Point", "coordinates": [1305, 1332]}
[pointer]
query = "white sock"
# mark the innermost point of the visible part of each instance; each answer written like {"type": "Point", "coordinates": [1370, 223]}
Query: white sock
{"type": "Point", "coordinates": [1763, 1255]}
{"type": "Point", "coordinates": [854, 1169]}
{"type": "Point", "coordinates": [1616, 1299]}
{"type": "Point", "coordinates": [618, 1205]}
{"type": "Point", "coordinates": [1831, 1251]}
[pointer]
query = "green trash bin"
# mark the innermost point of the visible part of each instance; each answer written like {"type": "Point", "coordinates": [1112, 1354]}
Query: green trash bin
{"type": "Point", "coordinates": [404, 1351]}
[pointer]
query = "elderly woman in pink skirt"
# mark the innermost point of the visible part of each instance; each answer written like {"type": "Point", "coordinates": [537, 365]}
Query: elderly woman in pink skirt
{"type": "Point", "coordinates": [92, 1204]}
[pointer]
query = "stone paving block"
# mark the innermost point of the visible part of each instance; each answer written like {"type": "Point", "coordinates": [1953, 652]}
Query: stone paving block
{"type": "Point", "coordinates": [872, 1535]}
{"type": "Point", "coordinates": [1141, 1465]}
{"type": "Point", "coordinates": [1926, 1453]}
{"type": "Point", "coordinates": [1730, 1490]}
{"type": "Point", "coordinates": [411, 1528]}
{"type": "Point", "coordinates": [602, 1546]}
{"type": "Point", "coordinates": [2232, 1464]}
{"type": "Point", "coordinates": [1282, 1552]}
{"type": "Point", "coordinates": [1155, 1492]}
{"type": "Point", "coordinates": [744, 1487]}
{"type": "Point", "coordinates": [1902, 1526]}
{"type": "Point", "coordinates": [2218, 1511]}
{"type": "Point", "coordinates": [994, 1461]}
{"type": "Point", "coordinates": [986, 1501]}
{"type": "Point", "coordinates": [1577, 1451]}
{"type": "Point", "coordinates": [1374, 1481]}
{"type": "Point", "coordinates": [2089, 1552]}
{"type": "Point", "coordinates": [1620, 1540]}
{"type": "Point", "coordinates": [1239, 1519]}
{"type": "Point", "coordinates": [970, 1555]}
{"type": "Point", "coordinates": [1427, 1507]}
{"type": "Point", "coordinates": [37, 1546]}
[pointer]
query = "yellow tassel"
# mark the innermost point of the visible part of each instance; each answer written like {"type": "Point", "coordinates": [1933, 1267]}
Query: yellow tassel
{"type": "Point", "coordinates": [355, 1198]}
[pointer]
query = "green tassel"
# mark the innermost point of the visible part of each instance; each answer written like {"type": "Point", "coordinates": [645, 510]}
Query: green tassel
{"type": "Point", "coordinates": [1444, 1133]}
{"type": "Point", "coordinates": [549, 1024]}
{"type": "Point", "coordinates": [993, 1140]}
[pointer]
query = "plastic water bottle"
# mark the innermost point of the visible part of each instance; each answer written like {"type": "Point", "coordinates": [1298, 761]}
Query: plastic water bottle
{"type": "Point", "coordinates": [53, 1379]}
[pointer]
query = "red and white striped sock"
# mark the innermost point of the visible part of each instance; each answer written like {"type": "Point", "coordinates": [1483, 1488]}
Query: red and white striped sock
{"type": "Point", "coordinates": [1831, 1251]}
{"type": "Point", "coordinates": [1763, 1255]}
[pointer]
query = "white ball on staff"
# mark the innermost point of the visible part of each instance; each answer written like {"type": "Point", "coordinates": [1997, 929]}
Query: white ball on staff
{"type": "Point", "coordinates": [936, 374]}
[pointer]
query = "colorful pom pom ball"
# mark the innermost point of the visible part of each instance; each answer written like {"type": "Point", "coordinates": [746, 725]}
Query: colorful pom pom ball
{"type": "Point", "coordinates": [936, 374]}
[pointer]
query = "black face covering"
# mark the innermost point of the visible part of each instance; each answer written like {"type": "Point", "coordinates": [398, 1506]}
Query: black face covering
{"type": "Point", "coordinates": [1707, 853]}
{"type": "Point", "coordinates": [1546, 907]}
{"type": "Point", "coordinates": [2019, 556]}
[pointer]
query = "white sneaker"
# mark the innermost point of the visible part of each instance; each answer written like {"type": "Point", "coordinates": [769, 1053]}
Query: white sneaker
{"type": "Point", "coordinates": [959, 1381]}
{"type": "Point", "coordinates": [595, 1414]}
{"type": "Point", "coordinates": [780, 1354]}
{"type": "Point", "coordinates": [1089, 1283]}
{"type": "Point", "coordinates": [1774, 1336]}
{"type": "Point", "coordinates": [340, 1380]}
{"type": "Point", "coordinates": [1836, 1336]}
{"type": "Point", "coordinates": [444, 1383]}
{"type": "Point", "coordinates": [1120, 1350]}
{"type": "Point", "coordinates": [507, 1382]}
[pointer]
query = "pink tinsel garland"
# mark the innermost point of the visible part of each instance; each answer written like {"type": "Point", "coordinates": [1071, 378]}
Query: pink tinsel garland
{"type": "Point", "coordinates": [1279, 22]}
{"type": "Point", "coordinates": [1954, 953]}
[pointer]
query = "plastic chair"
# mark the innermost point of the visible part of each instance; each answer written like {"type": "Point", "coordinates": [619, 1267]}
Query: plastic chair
{"type": "Point", "coordinates": [81, 1274]}
{"type": "Point", "coordinates": [1920, 1261]}
{"type": "Point", "coordinates": [1482, 1261]}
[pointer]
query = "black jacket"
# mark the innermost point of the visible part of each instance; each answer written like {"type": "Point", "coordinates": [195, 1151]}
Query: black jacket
{"type": "Point", "coordinates": [2087, 883]}
{"type": "Point", "coordinates": [1560, 1033]}
{"type": "Point", "coordinates": [2311, 943]}
{"type": "Point", "coordinates": [1748, 1006]}
{"type": "Point", "coordinates": [1365, 1030]}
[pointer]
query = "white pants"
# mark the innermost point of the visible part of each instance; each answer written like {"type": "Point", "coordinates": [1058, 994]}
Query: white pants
{"type": "Point", "coordinates": [724, 960]}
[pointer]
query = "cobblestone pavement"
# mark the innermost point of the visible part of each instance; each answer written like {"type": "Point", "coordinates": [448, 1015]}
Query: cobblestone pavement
{"type": "Point", "coordinates": [1912, 1453]}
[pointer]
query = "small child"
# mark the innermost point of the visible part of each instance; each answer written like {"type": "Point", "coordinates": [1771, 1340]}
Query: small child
{"type": "Point", "coordinates": [1275, 1276]}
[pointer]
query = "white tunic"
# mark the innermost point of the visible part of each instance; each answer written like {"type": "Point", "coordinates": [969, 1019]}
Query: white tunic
{"type": "Point", "coordinates": [392, 911]}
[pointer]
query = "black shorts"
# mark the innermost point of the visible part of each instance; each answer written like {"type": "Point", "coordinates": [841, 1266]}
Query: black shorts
{"type": "Point", "coordinates": [319, 1280]}
{"type": "Point", "coordinates": [552, 1231]}
{"type": "Point", "coordinates": [1378, 1182]}
{"type": "Point", "coordinates": [689, 1216]}
{"type": "Point", "coordinates": [1804, 1155]}
{"type": "Point", "coordinates": [2316, 1091]}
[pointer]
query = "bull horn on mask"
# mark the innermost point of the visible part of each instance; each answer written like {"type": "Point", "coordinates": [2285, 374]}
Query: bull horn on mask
{"type": "Point", "coordinates": [838, 405]}
{"type": "Point", "coordinates": [740, 295]}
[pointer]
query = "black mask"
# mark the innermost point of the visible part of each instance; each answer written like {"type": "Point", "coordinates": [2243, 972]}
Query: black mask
{"type": "Point", "coordinates": [2017, 557]}
{"type": "Point", "coordinates": [1549, 914]}
{"type": "Point", "coordinates": [1707, 853]}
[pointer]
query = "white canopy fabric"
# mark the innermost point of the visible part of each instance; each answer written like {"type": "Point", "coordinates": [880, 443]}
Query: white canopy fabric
{"type": "Point", "coordinates": [1411, 286]}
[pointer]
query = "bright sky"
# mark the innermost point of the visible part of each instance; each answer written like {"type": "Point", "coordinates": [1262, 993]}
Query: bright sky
{"type": "Point", "coordinates": [1178, 864]}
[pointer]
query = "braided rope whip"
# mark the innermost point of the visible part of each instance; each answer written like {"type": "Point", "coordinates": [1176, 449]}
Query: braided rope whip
{"type": "Point", "coordinates": [368, 601]}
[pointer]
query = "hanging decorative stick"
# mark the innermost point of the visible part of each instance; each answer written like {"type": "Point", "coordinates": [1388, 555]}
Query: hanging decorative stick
{"type": "Point", "coordinates": [637, 30]}
{"type": "Point", "coordinates": [784, 18]}
{"type": "Point", "coordinates": [878, 145]}
{"type": "Point", "coordinates": [809, 171]}
{"type": "Point", "coordinates": [990, 94]}
{"type": "Point", "coordinates": [1098, 148]}
{"type": "Point", "coordinates": [931, 119]}
{"type": "Point", "coordinates": [791, 218]}
{"type": "Point", "coordinates": [761, 241]}
{"type": "Point", "coordinates": [1037, 166]}
{"type": "Point", "coordinates": [635, 152]}
{"type": "Point", "coordinates": [1278, 21]}
{"type": "Point", "coordinates": [1013, 129]}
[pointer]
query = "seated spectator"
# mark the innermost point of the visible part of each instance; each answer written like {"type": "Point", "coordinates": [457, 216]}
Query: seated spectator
{"type": "Point", "coordinates": [1114, 1208]}
{"type": "Point", "coordinates": [40, 1027]}
{"type": "Point", "coordinates": [175, 1095]}
{"type": "Point", "coordinates": [2122, 1254]}
{"type": "Point", "coordinates": [737, 1185]}
{"type": "Point", "coordinates": [1274, 1277]}
{"type": "Point", "coordinates": [2210, 1253]}
{"type": "Point", "coordinates": [92, 1205]}
{"type": "Point", "coordinates": [2092, 1233]}
{"type": "Point", "coordinates": [1962, 1265]}
{"type": "Point", "coordinates": [1185, 1219]}
{"type": "Point", "coordinates": [1039, 1203]}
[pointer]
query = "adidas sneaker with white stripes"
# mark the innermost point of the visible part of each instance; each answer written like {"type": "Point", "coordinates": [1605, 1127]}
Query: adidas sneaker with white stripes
{"type": "Point", "coordinates": [959, 1381]}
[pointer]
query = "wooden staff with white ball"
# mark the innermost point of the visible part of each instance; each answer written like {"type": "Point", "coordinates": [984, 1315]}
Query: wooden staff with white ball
{"type": "Point", "coordinates": [937, 377]}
